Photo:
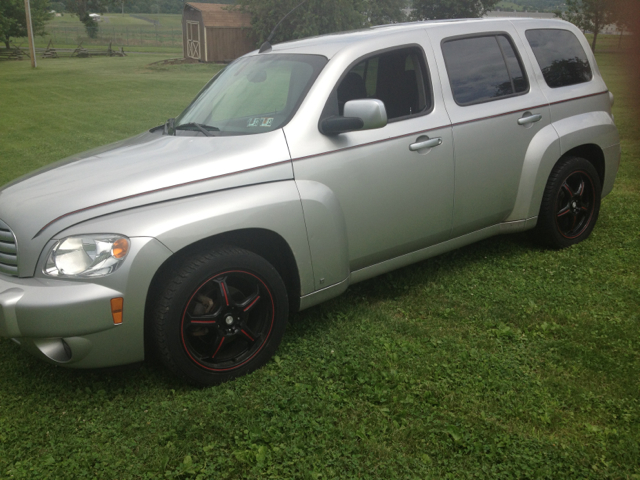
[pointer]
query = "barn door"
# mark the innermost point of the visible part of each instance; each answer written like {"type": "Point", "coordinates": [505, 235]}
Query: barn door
{"type": "Point", "coordinates": [193, 40]}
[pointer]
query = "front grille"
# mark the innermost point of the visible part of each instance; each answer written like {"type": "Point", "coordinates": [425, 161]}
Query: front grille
{"type": "Point", "coordinates": [8, 251]}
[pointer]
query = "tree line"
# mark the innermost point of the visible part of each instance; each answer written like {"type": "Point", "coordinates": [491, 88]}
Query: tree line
{"type": "Point", "coordinates": [315, 17]}
{"type": "Point", "coordinates": [593, 15]}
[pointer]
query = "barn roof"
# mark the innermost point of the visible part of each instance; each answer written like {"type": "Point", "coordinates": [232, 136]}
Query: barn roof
{"type": "Point", "coordinates": [219, 15]}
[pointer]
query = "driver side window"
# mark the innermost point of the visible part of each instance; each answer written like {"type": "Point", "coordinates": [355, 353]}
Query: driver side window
{"type": "Point", "coordinates": [398, 78]}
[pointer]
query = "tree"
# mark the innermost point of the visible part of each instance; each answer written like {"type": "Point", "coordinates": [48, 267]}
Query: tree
{"type": "Point", "coordinates": [13, 18]}
{"type": "Point", "coordinates": [317, 17]}
{"type": "Point", "coordinates": [630, 11]}
{"type": "Point", "coordinates": [435, 9]}
{"type": "Point", "coordinates": [625, 16]}
{"type": "Point", "coordinates": [590, 16]}
{"type": "Point", "coordinates": [382, 12]}
{"type": "Point", "coordinates": [82, 8]}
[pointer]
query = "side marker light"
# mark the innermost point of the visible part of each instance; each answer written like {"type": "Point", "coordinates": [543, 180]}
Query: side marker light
{"type": "Point", "coordinates": [116, 310]}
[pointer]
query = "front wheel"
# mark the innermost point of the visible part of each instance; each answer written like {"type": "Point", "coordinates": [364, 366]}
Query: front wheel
{"type": "Point", "coordinates": [221, 314]}
{"type": "Point", "coordinates": [571, 203]}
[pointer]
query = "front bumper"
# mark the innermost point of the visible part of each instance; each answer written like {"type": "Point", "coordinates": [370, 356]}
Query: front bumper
{"type": "Point", "coordinates": [56, 320]}
{"type": "Point", "coordinates": [44, 308]}
{"type": "Point", "coordinates": [70, 322]}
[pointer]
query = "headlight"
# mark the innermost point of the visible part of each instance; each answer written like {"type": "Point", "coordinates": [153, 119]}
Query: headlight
{"type": "Point", "coordinates": [87, 256]}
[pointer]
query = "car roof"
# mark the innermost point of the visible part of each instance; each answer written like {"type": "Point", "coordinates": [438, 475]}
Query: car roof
{"type": "Point", "coordinates": [330, 44]}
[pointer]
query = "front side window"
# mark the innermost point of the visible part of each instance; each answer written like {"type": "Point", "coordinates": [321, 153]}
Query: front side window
{"type": "Point", "coordinates": [483, 68]}
{"type": "Point", "coordinates": [561, 57]}
{"type": "Point", "coordinates": [252, 95]}
{"type": "Point", "coordinates": [398, 78]}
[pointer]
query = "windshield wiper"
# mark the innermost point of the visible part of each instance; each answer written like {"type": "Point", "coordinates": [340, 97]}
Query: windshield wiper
{"type": "Point", "coordinates": [168, 127]}
{"type": "Point", "coordinates": [205, 129]}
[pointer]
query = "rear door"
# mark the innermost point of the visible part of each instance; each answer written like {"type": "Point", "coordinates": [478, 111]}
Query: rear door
{"type": "Point", "coordinates": [496, 109]}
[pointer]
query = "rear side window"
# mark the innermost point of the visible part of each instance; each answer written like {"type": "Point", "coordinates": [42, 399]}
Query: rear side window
{"type": "Point", "coordinates": [560, 56]}
{"type": "Point", "coordinates": [482, 69]}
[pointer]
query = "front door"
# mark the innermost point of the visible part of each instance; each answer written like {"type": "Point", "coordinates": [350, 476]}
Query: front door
{"type": "Point", "coordinates": [395, 196]}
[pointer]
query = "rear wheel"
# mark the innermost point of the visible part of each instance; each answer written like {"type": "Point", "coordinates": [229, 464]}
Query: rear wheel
{"type": "Point", "coordinates": [221, 315]}
{"type": "Point", "coordinates": [571, 203]}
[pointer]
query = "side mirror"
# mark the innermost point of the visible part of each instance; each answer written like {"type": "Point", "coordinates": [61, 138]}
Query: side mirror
{"type": "Point", "coordinates": [370, 110]}
{"type": "Point", "coordinates": [365, 114]}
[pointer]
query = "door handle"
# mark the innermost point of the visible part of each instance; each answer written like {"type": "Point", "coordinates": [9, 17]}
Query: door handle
{"type": "Point", "coordinates": [529, 119]}
{"type": "Point", "coordinates": [432, 142]}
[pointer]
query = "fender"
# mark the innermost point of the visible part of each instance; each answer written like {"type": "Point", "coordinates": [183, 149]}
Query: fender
{"type": "Point", "coordinates": [327, 231]}
{"type": "Point", "coordinates": [547, 148]}
{"type": "Point", "coordinates": [159, 230]}
{"type": "Point", "coordinates": [179, 223]}
{"type": "Point", "coordinates": [596, 128]}
{"type": "Point", "coordinates": [542, 155]}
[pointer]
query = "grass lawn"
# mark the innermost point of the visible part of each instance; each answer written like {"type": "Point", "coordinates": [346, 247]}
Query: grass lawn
{"type": "Point", "coordinates": [68, 104]}
{"type": "Point", "coordinates": [499, 360]}
{"type": "Point", "coordinates": [141, 32]}
{"type": "Point", "coordinates": [611, 43]}
{"type": "Point", "coordinates": [117, 19]}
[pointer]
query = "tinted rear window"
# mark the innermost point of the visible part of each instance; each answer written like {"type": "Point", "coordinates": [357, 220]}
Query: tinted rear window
{"type": "Point", "coordinates": [562, 59]}
{"type": "Point", "coordinates": [483, 68]}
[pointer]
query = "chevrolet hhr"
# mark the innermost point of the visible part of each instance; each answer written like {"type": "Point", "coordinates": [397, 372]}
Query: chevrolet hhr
{"type": "Point", "coordinates": [298, 170]}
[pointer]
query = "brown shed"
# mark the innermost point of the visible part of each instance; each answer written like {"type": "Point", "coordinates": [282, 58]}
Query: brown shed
{"type": "Point", "coordinates": [212, 32]}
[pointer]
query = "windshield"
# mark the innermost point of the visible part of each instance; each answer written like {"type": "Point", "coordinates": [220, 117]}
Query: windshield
{"type": "Point", "coordinates": [252, 95]}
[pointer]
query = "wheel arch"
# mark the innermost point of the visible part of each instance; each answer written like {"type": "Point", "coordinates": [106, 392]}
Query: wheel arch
{"type": "Point", "coordinates": [267, 244]}
{"type": "Point", "coordinates": [591, 136]}
{"type": "Point", "coordinates": [593, 154]}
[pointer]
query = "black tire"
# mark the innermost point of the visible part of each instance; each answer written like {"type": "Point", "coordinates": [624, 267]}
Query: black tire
{"type": "Point", "coordinates": [220, 315]}
{"type": "Point", "coordinates": [570, 205]}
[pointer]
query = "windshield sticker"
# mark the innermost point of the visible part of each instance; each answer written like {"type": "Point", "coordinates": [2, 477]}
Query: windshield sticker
{"type": "Point", "coordinates": [260, 122]}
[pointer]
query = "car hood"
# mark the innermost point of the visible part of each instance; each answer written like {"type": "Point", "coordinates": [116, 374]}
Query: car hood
{"type": "Point", "coordinates": [145, 169]}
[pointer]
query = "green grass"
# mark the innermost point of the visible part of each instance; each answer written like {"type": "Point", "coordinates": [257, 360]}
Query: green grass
{"type": "Point", "coordinates": [43, 42]}
{"type": "Point", "coordinates": [499, 360]}
{"type": "Point", "coordinates": [117, 19]}
{"type": "Point", "coordinates": [612, 43]}
{"type": "Point", "coordinates": [67, 105]}
{"type": "Point", "coordinates": [141, 32]}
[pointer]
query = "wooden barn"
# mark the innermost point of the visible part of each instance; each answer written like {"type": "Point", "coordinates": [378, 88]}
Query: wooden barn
{"type": "Point", "coordinates": [213, 33]}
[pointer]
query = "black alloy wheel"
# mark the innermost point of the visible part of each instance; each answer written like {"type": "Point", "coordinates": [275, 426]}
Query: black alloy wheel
{"type": "Point", "coordinates": [571, 203]}
{"type": "Point", "coordinates": [227, 320]}
{"type": "Point", "coordinates": [222, 314]}
{"type": "Point", "coordinates": [575, 204]}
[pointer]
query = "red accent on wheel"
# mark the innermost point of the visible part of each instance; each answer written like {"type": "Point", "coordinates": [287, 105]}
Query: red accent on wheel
{"type": "Point", "coordinates": [265, 337]}
{"type": "Point", "coordinates": [252, 303]}
{"type": "Point", "coordinates": [218, 349]}
{"type": "Point", "coordinates": [248, 336]}
{"type": "Point", "coordinates": [224, 290]}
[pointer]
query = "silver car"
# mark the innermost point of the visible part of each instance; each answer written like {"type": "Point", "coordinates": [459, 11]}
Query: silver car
{"type": "Point", "coordinates": [297, 171]}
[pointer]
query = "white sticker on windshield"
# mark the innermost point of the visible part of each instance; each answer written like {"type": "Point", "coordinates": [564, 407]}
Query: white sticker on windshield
{"type": "Point", "coordinates": [260, 122]}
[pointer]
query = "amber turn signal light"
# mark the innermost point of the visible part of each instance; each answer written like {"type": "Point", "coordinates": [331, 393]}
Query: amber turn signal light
{"type": "Point", "coordinates": [116, 309]}
{"type": "Point", "coordinates": [120, 248]}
